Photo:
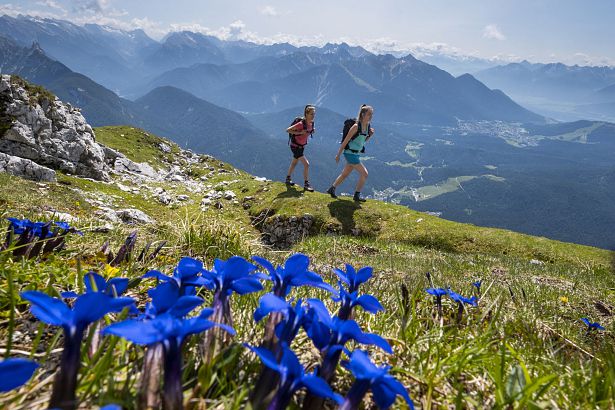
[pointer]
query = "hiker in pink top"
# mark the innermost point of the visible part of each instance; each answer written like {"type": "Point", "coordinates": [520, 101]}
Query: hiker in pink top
{"type": "Point", "coordinates": [298, 134]}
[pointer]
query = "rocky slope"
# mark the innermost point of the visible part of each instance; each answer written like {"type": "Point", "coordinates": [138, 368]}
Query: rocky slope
{"type": "Point", "coordinates": [42, 134]}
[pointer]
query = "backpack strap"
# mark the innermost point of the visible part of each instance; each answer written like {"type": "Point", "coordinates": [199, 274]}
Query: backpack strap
{"type": "Point", "coordinates": [291, 137]}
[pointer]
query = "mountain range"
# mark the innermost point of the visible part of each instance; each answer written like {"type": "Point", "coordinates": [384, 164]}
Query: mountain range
{"type": "Point", "coordinates": [249, 77]}
{"type": "Point", "coordinates": [557, 90]}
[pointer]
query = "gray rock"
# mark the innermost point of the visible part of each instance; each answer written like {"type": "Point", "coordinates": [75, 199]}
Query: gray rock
{"type": "Point", "coordinates": [25, 168]}
{"type": "Point", "coordinates": [61, 216]}
{"type": "Point", "coordinates": [107, 214]}
{"type": "Point", "coordinates": [164, 148]}
{"type": "Point", "coordinates": [133, 216]}
{"type": "Point", "coordinates": [282, 232]}
{"type": "Point", "coordinates": [52, 134]}
{"type": "Point", "coordinates": [164, 198]}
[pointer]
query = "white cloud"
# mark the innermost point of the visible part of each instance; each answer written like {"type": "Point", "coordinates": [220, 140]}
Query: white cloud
{"type": "Point", "coordinates": [51, 4]}
{"type": "Point", "coordinates": [88, 6]}
{"type": "Point", "coordinates": [238, 30]}
{"type": "Point", "coordinates": [492, 31]}
{"type": "Point", "coordinates": [269, 11]}
{"type": "Point", "coordinates": [12, 10]}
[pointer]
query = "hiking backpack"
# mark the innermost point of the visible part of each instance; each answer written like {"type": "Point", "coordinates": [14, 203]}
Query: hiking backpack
{"type": "Point", "coordinates": [291, 137]}
{"type": "Point", "coordinates": [347, 126]}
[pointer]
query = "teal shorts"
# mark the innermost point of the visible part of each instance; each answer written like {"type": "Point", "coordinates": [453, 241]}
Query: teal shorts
{"type": "Point", "coordinates": [351, 158]}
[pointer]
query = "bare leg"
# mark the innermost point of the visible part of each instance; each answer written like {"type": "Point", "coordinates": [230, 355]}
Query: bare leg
{"type": "Point", "coordinates": [306, 168]}
{"type": "Point", "coordinates": [293, 164]}
{"type": "Point", "coordinates": [345, 172]}
{"type": "Point", "coordinates": [362, 176]}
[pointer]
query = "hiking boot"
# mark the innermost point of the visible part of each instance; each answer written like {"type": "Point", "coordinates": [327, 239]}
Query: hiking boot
{"type": "Point", "coordinates": [357, 197]}
{"type": "Point", "coordinates": [331, 191]}
{"type": "Point", "coordinates": [308, 187]}
{"type": "Point", "coordinates": [289, 181]}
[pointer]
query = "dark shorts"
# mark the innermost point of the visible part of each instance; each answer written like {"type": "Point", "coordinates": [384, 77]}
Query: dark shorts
{"type": "Point", "coordinates": [297, 151]}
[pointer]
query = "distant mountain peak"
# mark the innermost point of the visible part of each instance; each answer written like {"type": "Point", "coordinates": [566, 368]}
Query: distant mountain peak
{"type": "Point", "coordinates": [36, 47]}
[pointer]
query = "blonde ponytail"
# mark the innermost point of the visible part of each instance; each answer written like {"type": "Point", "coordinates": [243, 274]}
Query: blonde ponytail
{"type": "Point", "coordinates": [364, 108]}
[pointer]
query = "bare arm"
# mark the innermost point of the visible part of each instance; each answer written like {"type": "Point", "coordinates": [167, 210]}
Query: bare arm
{"type": "Point", "coordinates": [370, 133]}
{"type": "Point", "coordinates": [293, 129]}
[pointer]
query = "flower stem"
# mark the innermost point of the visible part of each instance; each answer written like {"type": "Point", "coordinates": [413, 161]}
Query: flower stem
{"type": "Point", "coordinates": [215, 338]}
{"type": "Point", "coordinates": [282, 398]}
{"type": "Point", "coordinates": [327, 372]}
{"type": "Point", "coordinates": [149, 388]}
{"type": "Point", "coordinates": [355, 396]}
{"type": "Point", "coordinates": [65, 384]}
{"type": "Point", "coordinates": [459, 312]}
{"type": "Point", "coordinates": [172, 393]}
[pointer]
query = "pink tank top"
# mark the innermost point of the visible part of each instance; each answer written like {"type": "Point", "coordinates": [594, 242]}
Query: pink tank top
{"type": "Point", "coordinates": [302, 139]}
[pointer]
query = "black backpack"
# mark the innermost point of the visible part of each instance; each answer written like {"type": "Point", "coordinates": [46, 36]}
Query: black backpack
{"type": "Point", "coordinates": [347, 126]}
{"type": "Point", "coordinates": [291, 137]}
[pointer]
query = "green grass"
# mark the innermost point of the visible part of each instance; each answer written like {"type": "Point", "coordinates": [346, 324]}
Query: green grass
{"type": "Point", "coordinates": [37, 93]}
{"type": "Point", "coordinates": [395, 223]}
{"type": "Point", "coordinates": [135, 143]}
{"type": "Point", "coordinates": [523, 347]}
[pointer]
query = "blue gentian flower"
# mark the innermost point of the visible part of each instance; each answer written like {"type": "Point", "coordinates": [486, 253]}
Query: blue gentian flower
{"type": "Point", "coordinates": [163, 328]}
{"type": "Point", "coordinates": [352, 278]}
{"type": "Point", "coordinates": [15, 373]}
{"type": "Point", "coordinates": [385, 388]}
{"type": "Point", "coordinates": [330, 337]}
{"type": "Point", "coordinates": [94, 282]}
{"type": "Point", "coordinates": [437, 293]}
{"type": "Point", "coordinates": [477, 285]}
{"type": "Point", "coordinates": [591, 325]}
{"type": "Point", "coordinates": [460, 302]}
{"type": "Point", "coordinates": [187, 275]}
{"type": "Point", "coordinates": [339, 332]}
{"type": "Point", "coordinates": [294, 273]}
{"type": "Point", "coordinates": [166, 297]}
{"type": "Point", "coordinates": [19, 226]}
{"type": "Point", "coordinates": [65, 226]}
{"type": "Point", "coordinates": [292, 378]}
{"type": "Point", "coordinates": [349, 300]}
{"type": "Point", "coordinates": [233, 275]}
{"type": "Point", "coordinates": [88, 308]}
{"type": "Point", "coordinates": [170, 331]}
{"type": "Point", "coordinates": [27, 244]}
{"type": "Point", "coordinates": [348, 294]}
{"type": "Point", "coordinates": [292, 319]}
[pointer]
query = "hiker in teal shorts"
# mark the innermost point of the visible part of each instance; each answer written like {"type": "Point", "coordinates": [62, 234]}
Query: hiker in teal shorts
{"type": "Point", "coordinates": [353, 145]}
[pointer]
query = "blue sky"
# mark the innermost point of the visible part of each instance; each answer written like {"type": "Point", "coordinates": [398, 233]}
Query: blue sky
{"type": "Point", "coordinates": [570, 31]}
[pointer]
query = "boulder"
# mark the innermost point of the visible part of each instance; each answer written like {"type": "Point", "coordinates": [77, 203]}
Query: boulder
{"type": "Point", "coordinates": [50, 133]}
{"type": "Point", "coordinates": [25, 168]}
{"type": "Point", "coordinates": [133, 216]}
